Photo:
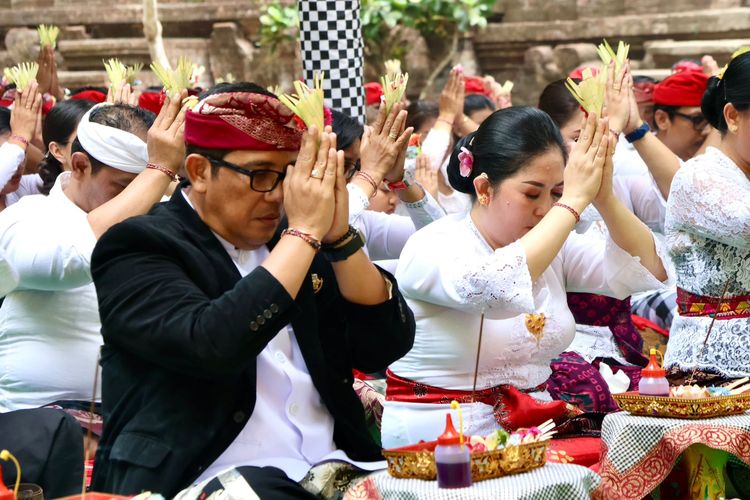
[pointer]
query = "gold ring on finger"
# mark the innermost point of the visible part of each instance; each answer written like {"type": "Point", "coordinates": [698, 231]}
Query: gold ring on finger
{"type": "Point", "coordinates": [393, 136]}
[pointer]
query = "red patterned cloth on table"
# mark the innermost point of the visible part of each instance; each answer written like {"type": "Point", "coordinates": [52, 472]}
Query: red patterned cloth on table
{"type": "Point", "coordinates": [513, 408]}
{"type": "Point", "coordinates": [579, 382]}
{"type": "Point", "coordinates": [639, 452]}
{"type": "Point", "coordinates": [585, 451]}
{"type": "Point", "coordinates": [726, 308]}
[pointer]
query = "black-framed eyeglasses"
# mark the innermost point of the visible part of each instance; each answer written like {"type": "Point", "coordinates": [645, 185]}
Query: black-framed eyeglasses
{"type": "Point", "coordinates": [261, 181]}
{"type": "Point", "coordinates": [351, 167]}
{"type": "Point", "coordinates": [699, 121]}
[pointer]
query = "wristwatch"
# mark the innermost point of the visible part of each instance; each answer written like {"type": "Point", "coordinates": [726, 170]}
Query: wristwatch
{"type": "Point", "coordinates": [346, 250]}
{"type": "Point", "coordinates": [404, 183]}
{"type": "Point", "coordinates": [638, 133]}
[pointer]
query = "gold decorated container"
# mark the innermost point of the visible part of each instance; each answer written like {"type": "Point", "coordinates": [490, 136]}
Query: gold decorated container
{"type": "Point", "coordinates": [694, 408]}
{"type": "Point", "coordinates": [418, 461]}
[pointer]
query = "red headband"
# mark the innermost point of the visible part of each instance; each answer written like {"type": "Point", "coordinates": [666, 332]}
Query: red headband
{"type": "Point", "coordinates": [475, 85]}
{"type": "Point", "coordinates": [242, 120]}
{"type": "Point", "coordinates": [89, 95]}
{"type": "Point", "coordinates": [681, 89]}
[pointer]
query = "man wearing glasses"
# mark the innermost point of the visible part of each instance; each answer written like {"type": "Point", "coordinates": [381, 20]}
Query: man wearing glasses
{"type": "Point", "coordinates": [678, 119]}
{"type": "Point", "coordinates": [229, 345]}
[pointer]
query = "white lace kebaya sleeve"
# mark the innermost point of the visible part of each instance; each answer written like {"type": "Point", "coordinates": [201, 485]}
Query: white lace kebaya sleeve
{"type": "Point", "coordinates": [448, 269]}
{"type": "Point", "coordinates": [424, 211]}
{"type": "Point", "coordinates": [710, 198]}
{"type": "Point", "coordinates": [593, 263]}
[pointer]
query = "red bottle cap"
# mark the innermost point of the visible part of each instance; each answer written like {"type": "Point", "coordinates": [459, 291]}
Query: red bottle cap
{"type": "Point", "coordinates": [653, 369]}
{"type": "Point", "coordinates": [450, 436]}
{"type": "Point", "coordinates": [5, 493]}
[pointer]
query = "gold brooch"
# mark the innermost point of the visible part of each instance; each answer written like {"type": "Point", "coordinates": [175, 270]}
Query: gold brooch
{"type": "Point", "coordinates": [535, 325]}
{"type": "Point", "coordinates": [317, 282]}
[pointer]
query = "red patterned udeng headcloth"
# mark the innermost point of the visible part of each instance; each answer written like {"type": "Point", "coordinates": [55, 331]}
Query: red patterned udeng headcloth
{"type": "Point", "coordinates": [242, 120]}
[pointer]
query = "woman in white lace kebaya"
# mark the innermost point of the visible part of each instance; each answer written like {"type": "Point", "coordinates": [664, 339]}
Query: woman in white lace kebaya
{"type": "Point", "coordinates": [505, 268]}
{"type": "Point", "coordinates": [708, 231]}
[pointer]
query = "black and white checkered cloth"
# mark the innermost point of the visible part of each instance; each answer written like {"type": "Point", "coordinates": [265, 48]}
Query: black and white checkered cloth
{"type": "Point", "coordinates": [551, 482]}
{"type": "Point", "coordinates": [331, 39]}
{"type": "Point", "coordinates": [659, 307]}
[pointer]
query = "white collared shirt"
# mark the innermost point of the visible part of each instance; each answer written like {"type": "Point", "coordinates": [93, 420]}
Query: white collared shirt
{"type": "Point", "coordinates": [49, 322]}
{"type": "Point", "coordinates": [290, 427]}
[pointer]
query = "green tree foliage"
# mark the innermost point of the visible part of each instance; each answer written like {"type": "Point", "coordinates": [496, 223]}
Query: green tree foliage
{"type": "Point", "coordinates": [442, 18]}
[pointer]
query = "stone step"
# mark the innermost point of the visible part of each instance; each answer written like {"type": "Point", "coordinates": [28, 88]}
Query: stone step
{"type": "Point", "coordinates": [88, 54]}
{"type": "Point", "coordinates": [664, 53]}
{"type": "Point", "coordinates": [687, 25]}
{"type": "Point", "coordinates": [124, 20]}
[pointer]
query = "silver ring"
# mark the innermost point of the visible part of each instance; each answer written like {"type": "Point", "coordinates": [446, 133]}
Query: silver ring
{"type": "Point", "coordinates": [316, 174]}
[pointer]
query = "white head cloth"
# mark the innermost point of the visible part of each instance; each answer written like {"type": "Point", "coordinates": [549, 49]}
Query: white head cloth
{"type": "Point", "coordinates": [112, 146]}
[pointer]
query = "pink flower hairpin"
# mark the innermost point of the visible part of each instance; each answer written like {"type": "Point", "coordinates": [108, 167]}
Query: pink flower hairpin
{"type": "Point", "coordinates": [465, 162]}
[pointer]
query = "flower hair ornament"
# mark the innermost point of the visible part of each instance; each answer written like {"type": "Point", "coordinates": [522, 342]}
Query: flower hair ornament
{"type": "Point", "coordinates": [466, 161]}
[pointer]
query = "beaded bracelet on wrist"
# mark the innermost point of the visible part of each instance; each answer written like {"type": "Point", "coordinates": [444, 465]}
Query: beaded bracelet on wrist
{"type": "Point", "coordinates": [306, 237]}
{"type": "Point", "coordinates": [165, 170]}
{"type": "Point", "coordinates": [570, 209]}
{"type": "Point", "coordinates": [20, 139]}
{"type": "Point", "coordinates": [368, 178]}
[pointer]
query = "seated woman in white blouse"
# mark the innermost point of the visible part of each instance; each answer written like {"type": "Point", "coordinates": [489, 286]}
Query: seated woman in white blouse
{"type": "Point", "coordinates": [504, 268]}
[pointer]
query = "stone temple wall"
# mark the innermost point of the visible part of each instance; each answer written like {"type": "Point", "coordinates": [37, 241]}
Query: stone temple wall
{"type": "Point", "coordinates": [539, 41]}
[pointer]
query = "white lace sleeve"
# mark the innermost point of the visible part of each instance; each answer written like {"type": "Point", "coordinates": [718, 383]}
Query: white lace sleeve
{"type": "Point", "coordinates": [710, 197]}
{"type": "Point", "coordinates": [424, 211]}
{"type": "Point", "coordinates": [448, 270]}
{"type": "Point", "coordinates": [498, 285]}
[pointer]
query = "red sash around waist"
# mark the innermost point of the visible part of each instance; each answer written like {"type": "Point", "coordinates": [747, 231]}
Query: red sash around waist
{"type": "Point", "coordinates": [513, 408]}
{"type": "Point", "coordinates": [726, 308]}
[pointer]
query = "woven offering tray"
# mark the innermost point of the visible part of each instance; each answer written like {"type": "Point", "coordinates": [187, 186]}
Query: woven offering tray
{"type": "Point", "coordinates": [418, 461]}
{"type": "Point", "coordinates": [669, 407]}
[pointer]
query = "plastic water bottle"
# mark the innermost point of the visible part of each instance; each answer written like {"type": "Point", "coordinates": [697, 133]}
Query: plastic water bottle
{"type": "Point", "coordinates": [452, 459]}
{"type": "Point", "coordinates": [653, 380]}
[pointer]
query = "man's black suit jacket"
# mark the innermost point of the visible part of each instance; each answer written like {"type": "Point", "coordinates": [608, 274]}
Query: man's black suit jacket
{"type": "Point", "coordinates": [181, 333]}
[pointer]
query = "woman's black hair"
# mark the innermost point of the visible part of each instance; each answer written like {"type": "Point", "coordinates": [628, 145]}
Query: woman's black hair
{"type": "Point", "coordinates": [419, 112]}
{"type": "Point", "coordinates": [346, 128]}
{"type": "Point", "coordinates": [504, 144]}
{"type": "Point", "coordinates": [733, 87]}
{"type": "Point", "coordinates": [557, 101]}
{"type": "Point", "coordinates": [120, 116]}
{"type": "Point", "coordinates": [60, 123]}
{"type": "Point", "coordinates": [477, 102]}
{"type": "Point", "coordinates": [4, 120]}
